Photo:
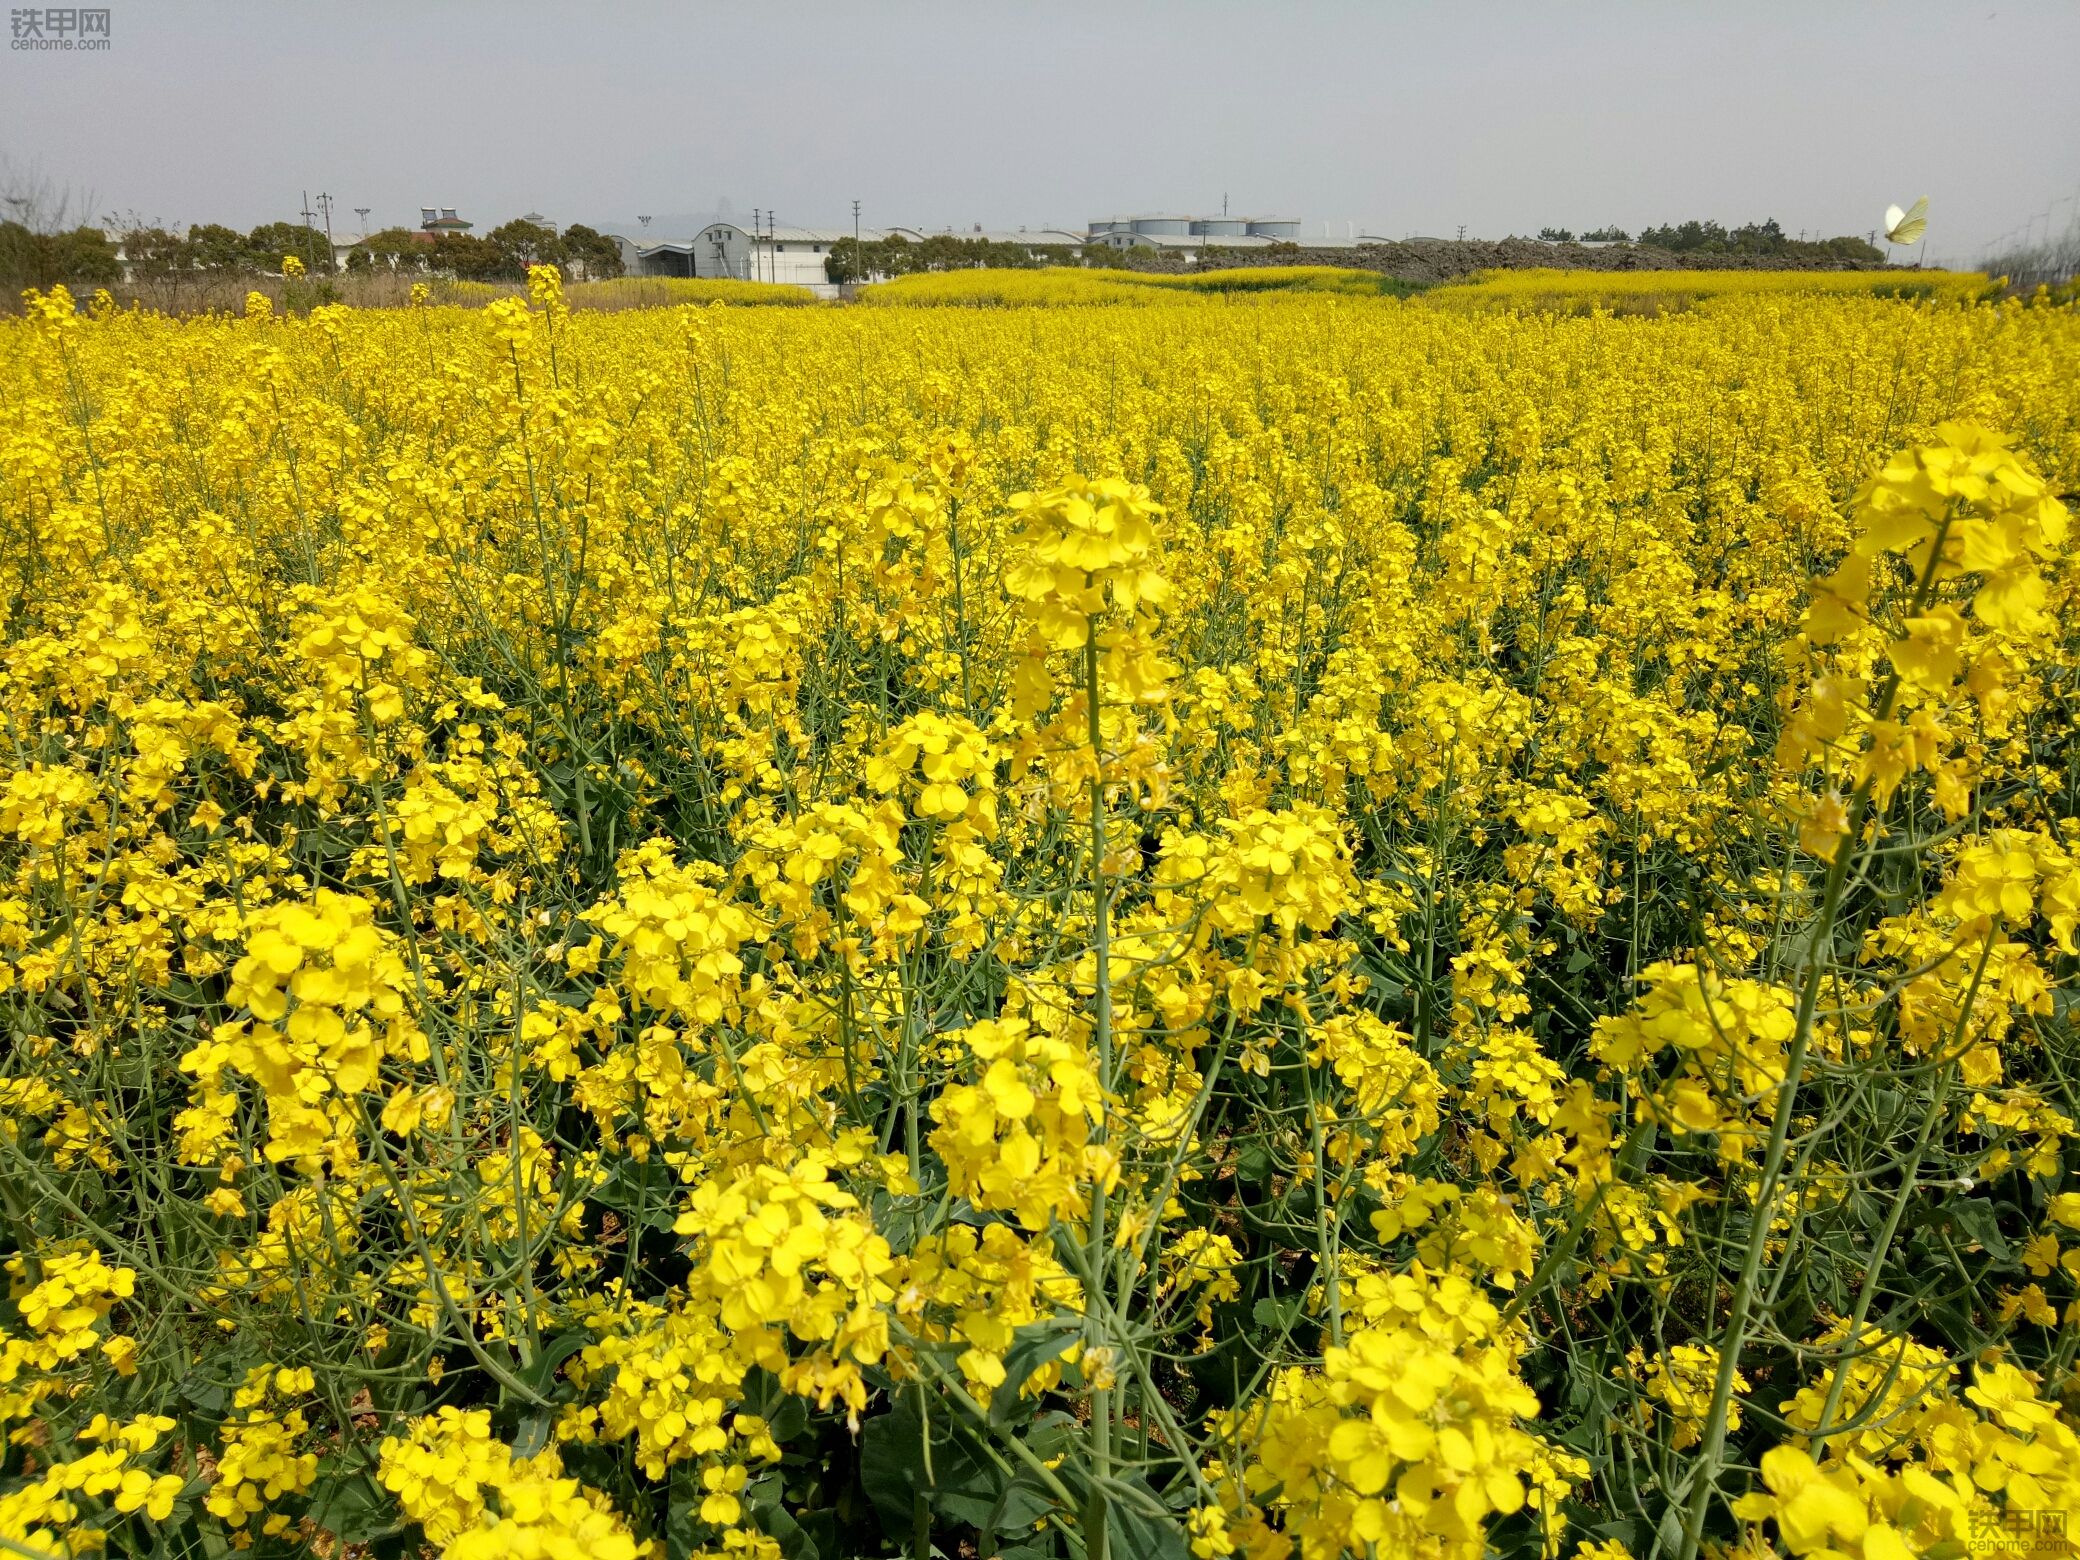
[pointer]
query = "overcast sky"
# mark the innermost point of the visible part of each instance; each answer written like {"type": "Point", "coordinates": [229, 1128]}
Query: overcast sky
{"type": "Point", "coordinates": [1401, 118]}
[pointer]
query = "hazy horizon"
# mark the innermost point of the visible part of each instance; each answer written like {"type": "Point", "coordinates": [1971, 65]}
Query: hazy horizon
{"type": "Point", "coordinates": [1401, 119]}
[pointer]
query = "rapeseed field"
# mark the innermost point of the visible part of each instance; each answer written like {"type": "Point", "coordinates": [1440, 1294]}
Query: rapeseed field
{"type": "Point", "coordinates": [1285, 926]}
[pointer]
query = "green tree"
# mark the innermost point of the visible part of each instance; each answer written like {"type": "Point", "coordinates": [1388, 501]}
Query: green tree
{"type": "Point", "coordinates": [154, 254]}
{"type": "Point", "coordinates": [595, 254]}
{"type": "Point", "coordinates": [268, 243]}
{"type": "Point", "coordinates": [472, 259]}
{"type": "Point", "coordinates": [897, 256]}
{"type": "Point", "coordinates": [215, 248]}
{"type": "Point", "coordinates": [1765, 240]}
{"type": "Point", "coordinates": [79, 257]}
{"type": "Point", "coordinates": [392, 249]}
{"type": "Point", "coordinates": [521, 244]}
{"type": "Point", "coordinates": [161, 259]}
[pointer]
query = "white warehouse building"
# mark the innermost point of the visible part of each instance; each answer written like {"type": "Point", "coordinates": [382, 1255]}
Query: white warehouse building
{"type": "Point", "coordinates": [722, 249]}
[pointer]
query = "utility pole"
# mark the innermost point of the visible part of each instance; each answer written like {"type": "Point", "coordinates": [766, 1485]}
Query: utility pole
{"type": "Point", "coordinates": [310, 231]}
{"type": "Point", "coordinates": [858, 265]}
{"type": "Point", "coordinates": [1462, 232]}
{"type": "Point", "coordinates": [325, 205]}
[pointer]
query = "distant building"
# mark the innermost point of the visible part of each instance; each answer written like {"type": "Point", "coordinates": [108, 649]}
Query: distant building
{"type": "Point", "coordinates": [436, 220]}
{"type": "Point", "coordinates": [722, 249]}
{"type": "Point", "coordinates": [536, 219]}
{"type": "Point", "coordinates": [791, 255]}
{"type": "Point", "coordinates": [1192, 234]}
{"type": "Point", "coordinates": [797, 255]}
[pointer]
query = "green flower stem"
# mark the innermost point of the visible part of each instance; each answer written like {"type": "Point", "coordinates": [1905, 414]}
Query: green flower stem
{"type": "Point", "coordinates": [1704, 1478]}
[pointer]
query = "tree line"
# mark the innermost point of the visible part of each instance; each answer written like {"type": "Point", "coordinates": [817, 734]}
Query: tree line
{"type": "Point", "coordinates": [503, 254]}
{"type": "Point", "coordinates": [86, 255]}
{"type": "Point", "coordinates": [1713, 238]}
{"type": "Point", "coordinates": [43, 254]}
{"type": "Point", "coordinates": [857, 260]}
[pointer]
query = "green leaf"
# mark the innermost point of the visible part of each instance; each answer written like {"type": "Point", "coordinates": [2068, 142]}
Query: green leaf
{"type": "Point", "coordinates": [349, 1504]}
{"type": "Point", "coordinates": [779, 1525]}
{"type": "Point", "coordinates": [1978, 1220]}
{"type": "Point", "coordinates": [818, 1538]}
{"type": "Point", "coordinates": [892, 1464]}
{"type": "Point", "coordinates": [532, 1434]}
{"type": "Point", "coordinates": [788, 1420]}
{"type": "Point", "coordinates": [207, 1395]}
{"type": "Point", "coordinates": [1021, 1503]}
{"type": "Point", "coordinates": [958, 1485]}
{"type": "Point", "coordinates": [682, 1509]}
{"type": "Point", "coordinates": [1051, 1434]}
{"type": "Point", "coordinates": [1032, 1346]}
{"type": "Point", "coordinates": [1138, 1523]}
{"type": "Point", "coordinates": [542, 1368]}
{"type": "Point", "coordinates": [1277, 1313]}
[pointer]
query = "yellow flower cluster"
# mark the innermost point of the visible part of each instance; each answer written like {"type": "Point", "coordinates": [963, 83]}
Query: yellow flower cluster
{"type": "Point", "coordinates": [71, 1496]}
{"type": "Point", "coordinates": [1999, 1469]}
{"type": "Point", "coordinates": [264, 1457]}
{"type": "Point", "coordinates": [56, 1512]}
{"type": "Point", "coordinates": [1017, 1138]}
{"type": "Point", "coordinates": [474, 1499]}
{"type": "Point", "coordinates": [1407, 1441]}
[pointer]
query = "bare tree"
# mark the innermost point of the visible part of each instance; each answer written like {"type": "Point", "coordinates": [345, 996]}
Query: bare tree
{"type": "Point", "coordinates": [2049, 262]}
{"type": "Point", "coordinates": [45, 234]}
{"type": "Point", "coordinates": [42, 204]}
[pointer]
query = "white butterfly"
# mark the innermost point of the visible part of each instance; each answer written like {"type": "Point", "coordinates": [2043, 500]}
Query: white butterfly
{"type": "Point", "coordinates": [1906, 227]}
